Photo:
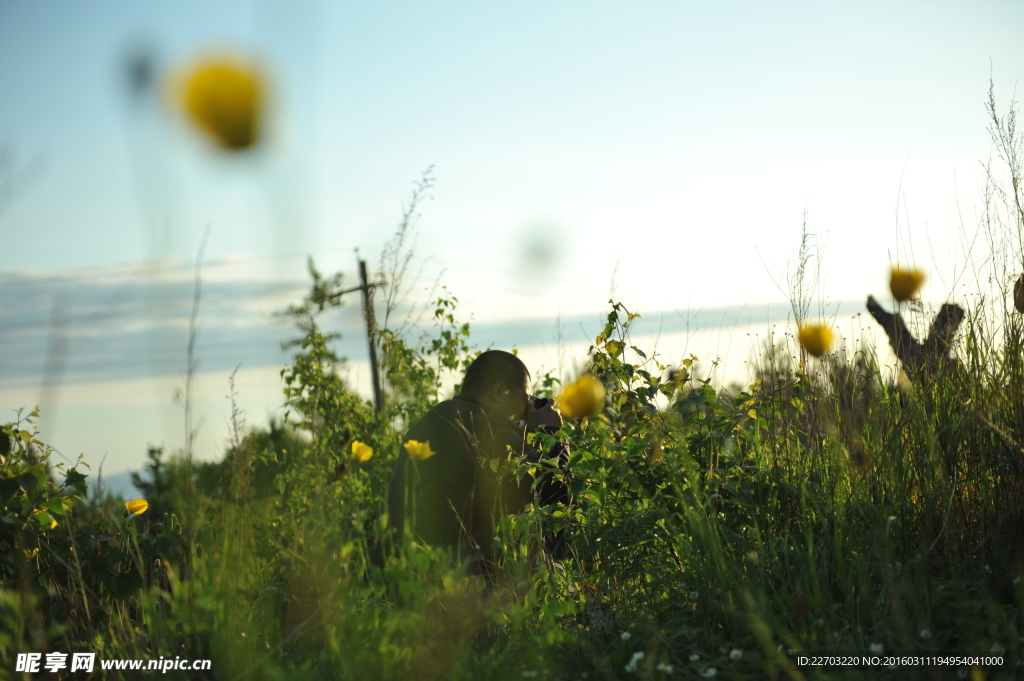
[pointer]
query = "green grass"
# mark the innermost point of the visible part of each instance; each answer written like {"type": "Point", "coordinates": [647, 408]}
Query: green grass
{"type": "Point", "coordinates": [818, 510]}
{"type": "Point", "coordinates": [822, 509]}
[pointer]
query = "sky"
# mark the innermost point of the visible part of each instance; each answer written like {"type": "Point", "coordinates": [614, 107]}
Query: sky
{"type": "Point", "coordinates": [666, 154]}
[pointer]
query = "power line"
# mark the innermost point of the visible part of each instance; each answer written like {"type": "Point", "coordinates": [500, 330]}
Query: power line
{"type": "Point", "coordinates": [146, 267]}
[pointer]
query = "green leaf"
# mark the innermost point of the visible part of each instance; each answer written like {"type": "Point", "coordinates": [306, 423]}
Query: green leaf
{"type": "Point", "coordinates": [8, 488]}
{"type": "Point", "coordinates": [28, 483]}
{"type": "Point", "coordinates": [54, 505]}
{"type": "Point", "coordinates": [73, 477]}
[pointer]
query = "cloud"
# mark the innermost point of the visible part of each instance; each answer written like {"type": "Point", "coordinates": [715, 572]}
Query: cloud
{"type": "Point", "coordinates": [132, 326]}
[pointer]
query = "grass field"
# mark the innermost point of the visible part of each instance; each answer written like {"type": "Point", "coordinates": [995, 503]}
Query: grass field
{"type": "Point", "coordinates": [825, 508]}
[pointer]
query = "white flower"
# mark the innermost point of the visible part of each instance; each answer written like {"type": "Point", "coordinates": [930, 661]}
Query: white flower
{"type": "Point", "coordinates": [926, 633]}
{"type": "Point", "coordinates": [693, 595]}
{"type": "Point", "coordinates": [637, 656]}
{"type": "Point", "coordinates": [694, 657]}
{"type": "Point", "coordinates": [735, 654]}
{"type": "Point", "coordinates": [529, 673]}
{"type": "Point", "coordinates": [665, 667]}
{"type": "Point", "coordinates": [877, 648]}
{"type": "Point", "coordinates": [710, 672]}
{"type": "Point", "coordinates": [625, 636]}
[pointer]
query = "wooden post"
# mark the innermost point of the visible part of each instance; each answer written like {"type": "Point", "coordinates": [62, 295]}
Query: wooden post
{"type": "Point", "coordinates": [920, 358]}
{"type": "Point", "coordinates": [371, 330]}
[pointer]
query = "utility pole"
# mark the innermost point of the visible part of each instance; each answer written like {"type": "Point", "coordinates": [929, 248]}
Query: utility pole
{"type": "Point", "coordinates": [371, 330]}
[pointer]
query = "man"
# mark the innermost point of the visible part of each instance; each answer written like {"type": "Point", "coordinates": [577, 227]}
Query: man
{"type": "Point", "coordinates": [455, 497]}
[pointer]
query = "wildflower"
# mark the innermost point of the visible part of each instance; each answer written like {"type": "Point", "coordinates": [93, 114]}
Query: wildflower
{"type": "Point", "coordinates": [694, 657]}
{"type": "Point", "coordinates": [709, 673]}
{"type": "Point", "coordinates": [137, 507]}
{"type": "Point", "coordinates": [877, 648]}
{"type": "Point", "coordinates": [1018, 294]}
{"type": "Point", "coordinates": [735, 654]}
{"type": "Point", "coordinates": [529, 673]}
{"type": "Point", "coordinates": [582, 398]}
{"type": "Point", "coordinates": [30, 553]}
{"type": "Point", "coordinates": [361, 451]}
{"type": "Point", "coordinates": [904, 284]}
{"type": "Point", "coordinates": [665, 667]}
{"type": "Point", "coordinates": [637, 656]}
{"type": "Point", "coordinates": [625, 636]}
{"type": "Point", "coordinates": [926, 633]}
{"type": "Point", "coordinates": [420, 451]}
{"type": "Point", "coordinates": [223, 97]}
{"type": "Point", "coordinates": [815, 339]}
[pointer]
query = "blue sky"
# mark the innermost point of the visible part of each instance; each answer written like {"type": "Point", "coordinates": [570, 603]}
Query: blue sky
{"type": "Point", "coordinates": [661, 151]}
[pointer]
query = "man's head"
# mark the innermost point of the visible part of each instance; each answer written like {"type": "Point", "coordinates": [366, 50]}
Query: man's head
{"type": "Point", "coordinates": [500, 381]}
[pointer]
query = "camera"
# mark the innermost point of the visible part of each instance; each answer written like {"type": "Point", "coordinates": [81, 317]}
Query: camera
{"type": "Point", "coordinates": [538, 403]}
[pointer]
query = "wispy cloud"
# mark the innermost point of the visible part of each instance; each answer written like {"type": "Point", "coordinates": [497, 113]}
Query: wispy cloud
{"type": "Point", "coordinates": [129, 325]}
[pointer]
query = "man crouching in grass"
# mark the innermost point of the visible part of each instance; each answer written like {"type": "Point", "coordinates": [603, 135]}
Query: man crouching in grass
{"type": "Point", "coordinates": [454, 497]}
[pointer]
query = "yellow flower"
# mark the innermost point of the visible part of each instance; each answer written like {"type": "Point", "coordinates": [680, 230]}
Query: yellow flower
{"type": "Point", "coordinates": [361, 451]}
{"type": "Point", "coordinates": [420, 451]}
{"type": "Point", "coordinates": [30, 553]}
{"type": "Point", "coordinates": [137, 507]}
{"type": "Point", "coordinates": [905, 284]}
{"type": "Point", "coordinates": [582, 398]}
{"type": "Point", "coordinates": [223, 97]}
{"type": "Point", "coordinates": [815, 339]}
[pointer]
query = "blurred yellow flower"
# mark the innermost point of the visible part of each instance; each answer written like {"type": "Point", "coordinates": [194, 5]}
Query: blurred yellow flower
{"type": "Point", "coordinates": [815, 339]}
{"type": "Point", "coordinates": [361, 451]}
{"type": "Point", "coordinates": [30, 553]}
{"type": "Point", "coordinates": [905, 284]}
{"type": "Point", "coordinates": [582, 398]}
{"type": "Point", "coordinates": [137, 507]}
{"type": "Point", "coordinates": [420, 451]}
{"type": "Point", "coordinates": [223, 97]}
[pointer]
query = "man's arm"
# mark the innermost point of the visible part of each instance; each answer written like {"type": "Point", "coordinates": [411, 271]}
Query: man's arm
{"type": "Point", "coordinates": [544, 415]}
{"type": "Point", "coordinates": [512, 439]}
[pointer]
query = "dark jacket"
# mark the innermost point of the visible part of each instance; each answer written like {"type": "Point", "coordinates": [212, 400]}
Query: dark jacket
{"type": "Point", "coordinates": [455, 498]}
